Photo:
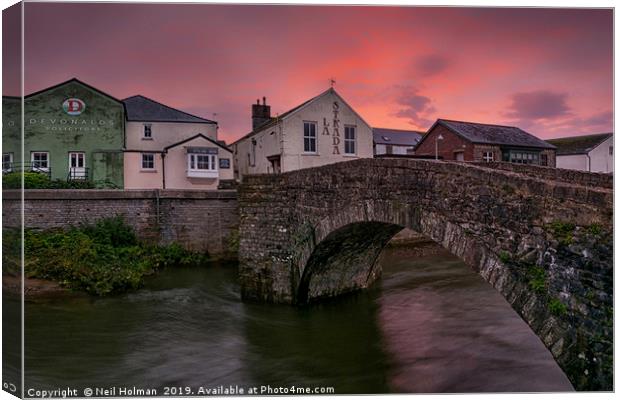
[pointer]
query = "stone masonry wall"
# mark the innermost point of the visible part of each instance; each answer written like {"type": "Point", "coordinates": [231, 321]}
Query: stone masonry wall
{"type": "Point", "coordinates": [544, 244]}
{"type": "Point", "coordinates": [582, 178]}
{"type": "Point", "coordinates": [198, 220]}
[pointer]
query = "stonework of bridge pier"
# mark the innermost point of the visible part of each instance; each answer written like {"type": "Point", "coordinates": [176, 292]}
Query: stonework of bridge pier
{"type": "Point", "coordinates": [543, 242]}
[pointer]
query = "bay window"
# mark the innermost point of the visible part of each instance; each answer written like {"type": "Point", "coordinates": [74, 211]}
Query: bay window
{"type": "Point", "coordinates": [202, 163]}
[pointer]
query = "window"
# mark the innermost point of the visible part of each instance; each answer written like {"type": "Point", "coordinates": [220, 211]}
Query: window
{"type": "Point", "coordinates": [202, 162]}
{"type": "Point", "coordinates": [7, 162]}
{"type": "Point", "coordinates": [40, 160]}
{"type": "Point", "coordinates": [309, 137]}
{"type": "Point", "coordinates": [224, 163]}
{"type": "Point", "coordinates": [487, 156]}
{"type": "Point", "coordinates": [611, 150]}
{"type": "Point", "coordinates": [148, 161]}
{"type": "Point", "coordinates": [148, 134]}
{"type": "Point", "coordinates": [349, 140]}
{"type": "Point", "coordinates": [76, 160]}
{"type": "Point", "coordinates": [524, 157]}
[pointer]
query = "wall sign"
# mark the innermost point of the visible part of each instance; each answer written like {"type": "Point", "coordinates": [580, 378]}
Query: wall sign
{"type": "Point", "coordinates": [73, 106]}
{"type": "Point", "coordinates": [336, 134]}
{"type": "Point", "coordinates": [336, 126]}
{"type": "Point", "coordinates": [202, 150]}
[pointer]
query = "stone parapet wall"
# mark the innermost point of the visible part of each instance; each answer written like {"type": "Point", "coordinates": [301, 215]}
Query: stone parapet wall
{"type": "Point", "coordinates": [198, 220]}
{"type": "Point", "coordinates": [593, 179]}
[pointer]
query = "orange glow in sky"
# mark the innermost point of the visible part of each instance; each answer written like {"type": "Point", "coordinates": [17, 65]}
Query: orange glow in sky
{"type": "Point", "coordinates": [548, 71]}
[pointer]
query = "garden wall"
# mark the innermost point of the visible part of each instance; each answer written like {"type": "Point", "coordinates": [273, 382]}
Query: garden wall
{"type": "Point", "coordinates": [198, 220]}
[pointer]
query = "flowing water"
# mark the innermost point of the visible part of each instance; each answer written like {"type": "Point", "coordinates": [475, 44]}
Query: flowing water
{"type": "Point", "coordinates": [429, 325]}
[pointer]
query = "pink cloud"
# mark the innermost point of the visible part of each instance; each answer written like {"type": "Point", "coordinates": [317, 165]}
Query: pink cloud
{"type": "Point", "coordinates": [463, 63]}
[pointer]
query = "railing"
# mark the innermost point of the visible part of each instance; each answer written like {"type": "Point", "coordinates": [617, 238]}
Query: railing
{"type": "Point", "coordinates": [77, 174]}
{"type": "Point", "coordinates": [25, 167]}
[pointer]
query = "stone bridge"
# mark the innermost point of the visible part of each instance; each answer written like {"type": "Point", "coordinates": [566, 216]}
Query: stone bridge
{"type": "Point", "coordinates": [542, 237]}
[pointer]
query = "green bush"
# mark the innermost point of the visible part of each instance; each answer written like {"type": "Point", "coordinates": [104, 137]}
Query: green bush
{"type": "Point", "coordinates": [100, 259]}
{"type": "Point", "coordinates": [32, 180]}
{"type": "Point", "coordinates": [38, 180]}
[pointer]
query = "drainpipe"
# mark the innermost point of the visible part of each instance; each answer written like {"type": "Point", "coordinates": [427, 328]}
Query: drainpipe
{"type": "Point", "coordinates": [163, 170]}
{"type": "Point", "coordinates": [589, 163]}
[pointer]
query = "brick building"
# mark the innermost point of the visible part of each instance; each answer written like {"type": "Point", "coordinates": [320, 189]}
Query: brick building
{"type": "Point", "coordinates": [471, 141]}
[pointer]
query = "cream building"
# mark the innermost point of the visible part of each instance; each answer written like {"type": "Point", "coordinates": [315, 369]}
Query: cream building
{"type": "Point", "coordinates": [322, 130]}
{"type": "Point", "coordinates": [593, 153]}
{"type": "Point", "coordinates": [169, 149]}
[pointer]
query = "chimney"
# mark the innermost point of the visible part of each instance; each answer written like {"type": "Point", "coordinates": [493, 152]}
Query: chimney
{"type": "Point", "coordinates": [261, 113]}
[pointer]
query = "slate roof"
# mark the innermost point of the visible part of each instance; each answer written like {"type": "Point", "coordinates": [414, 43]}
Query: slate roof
{"type": "Point", "coordinates": [493, 134]}
{"type": "Point", "coordinates": [280, 117]}
{"type": "Point", "coordinates": [219, 143]}
{"type": "Point", "coordinates": [397, 137]}
{"type": "Point", "coordinates": [274, 120]}
{"type": "Point", "coordinates": [578, 144]}
{"type": "Point", "coordinates": [140, 108]}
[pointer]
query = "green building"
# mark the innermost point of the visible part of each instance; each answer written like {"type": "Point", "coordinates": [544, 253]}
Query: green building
{"type": "Point", "coordinates": [72, 131]}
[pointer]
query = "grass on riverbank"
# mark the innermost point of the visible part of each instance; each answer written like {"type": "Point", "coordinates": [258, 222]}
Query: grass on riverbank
{"type": "Point", "coordinates": [100, 259]}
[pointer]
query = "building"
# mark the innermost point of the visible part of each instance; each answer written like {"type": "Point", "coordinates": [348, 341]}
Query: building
{"type": "Point", "coordinates": [171, 149]}
{"type": "Point", "coordinates": [395, 141]}
{"type": "Point", "coordinates": [594, 153]}
{"type": "Point", "coordinates": [471, 141]}
{"type": "Point", "coordinates": [72, 131]}
{"type": "Point", "coordinates": [322, 130]}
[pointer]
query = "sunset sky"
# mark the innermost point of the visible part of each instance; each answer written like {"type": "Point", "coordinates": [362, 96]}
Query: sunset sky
{"type": "Point", "coordinates": [547, 71]}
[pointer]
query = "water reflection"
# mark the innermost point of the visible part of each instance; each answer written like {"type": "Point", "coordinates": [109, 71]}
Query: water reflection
{"type": "Point", "coordinates": [430, 325]}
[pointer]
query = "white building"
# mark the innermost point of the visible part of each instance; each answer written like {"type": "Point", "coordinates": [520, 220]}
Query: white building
{"type": "Point", "coordinates": [593, 153]}
{"type": "Point", "coordinates": [170, 149]}
{"type": "Point", "coordinates": [395, 141]}
{"type": "Point", "coordinates": [322, 130]}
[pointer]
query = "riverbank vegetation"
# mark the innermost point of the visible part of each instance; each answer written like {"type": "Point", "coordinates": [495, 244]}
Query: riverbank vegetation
{"type": "Point", "coordinates": [101, 258]}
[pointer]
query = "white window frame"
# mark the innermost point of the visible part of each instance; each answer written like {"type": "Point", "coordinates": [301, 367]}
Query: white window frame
{"type": "Point", "coordinates": [47, 160]}
{"type": "Point", "coordinates": [212, 163]}
{"type": "Point", "coordinates": [310, 138]}
{"type": "Point", "coordinates": [142, 160]}
{"type": "Point", "coordinates": [488, 156]}
{"type": "Point", "coordinates": [148, 127]}
{"type": "Point", "coordinates": [10, 162]}
{"type": "Point", "coordinates": [77, 158]}
{"type": "Point", "coordinates": [353, 142]}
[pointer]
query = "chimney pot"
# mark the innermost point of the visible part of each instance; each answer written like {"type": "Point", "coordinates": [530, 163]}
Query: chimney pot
{"type": "Point", "coordinates": [261, 113]}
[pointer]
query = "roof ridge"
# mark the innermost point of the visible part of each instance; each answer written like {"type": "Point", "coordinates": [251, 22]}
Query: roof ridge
{"type": "Point", "coordinates": [478, 123]}
{"type": "Point", "coordinates": [582, 136]}
{"type": "Point", "coordinates": [172, 108]}
{"type": "Point", "coordinates": [74, 79]}
{"type": "Point", "coordinates": [400, 130]}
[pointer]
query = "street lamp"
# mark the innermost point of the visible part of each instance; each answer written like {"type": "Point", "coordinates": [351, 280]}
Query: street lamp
{"type": "Point", "coordinates": [437, 139]}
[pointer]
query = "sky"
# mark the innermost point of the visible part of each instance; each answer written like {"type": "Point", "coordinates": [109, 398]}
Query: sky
{"type": "Point", "coordinates": [547, 71]}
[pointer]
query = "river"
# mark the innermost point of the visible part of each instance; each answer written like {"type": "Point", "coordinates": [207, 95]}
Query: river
{"type": "Point", "coordinates": [429, 325]}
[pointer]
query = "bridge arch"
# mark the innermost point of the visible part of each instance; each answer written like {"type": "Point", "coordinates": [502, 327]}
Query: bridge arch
{"type": "Point", "coordinates": [341, 255]}
{"type": "Point", "coordinates": [544, 243]}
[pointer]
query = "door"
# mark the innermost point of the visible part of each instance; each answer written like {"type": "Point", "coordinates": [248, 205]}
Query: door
{"type": "Point", "coordinates": [77, 165]}
{"type": "Point", "coordinates": [460, 156]}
